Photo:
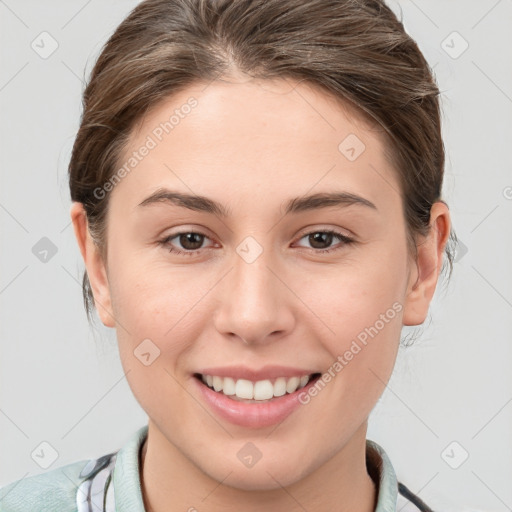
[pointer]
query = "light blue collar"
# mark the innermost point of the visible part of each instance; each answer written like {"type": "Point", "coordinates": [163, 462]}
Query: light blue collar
{"type": "Point", "coordinates": [387, 484]}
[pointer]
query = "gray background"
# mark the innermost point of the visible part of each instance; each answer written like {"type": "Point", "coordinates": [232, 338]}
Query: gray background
{"type": "Point", "coordinates": [62, 383]}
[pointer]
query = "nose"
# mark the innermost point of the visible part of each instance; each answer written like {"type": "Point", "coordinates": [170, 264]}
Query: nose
{"type": "Point", "coordinates": [256, 305]}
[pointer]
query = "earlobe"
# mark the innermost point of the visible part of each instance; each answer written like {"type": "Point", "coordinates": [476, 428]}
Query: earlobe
{"type": "Point", "coordinates": [423, 280]}
{"type": "Point", "coordinates": [94, 265]}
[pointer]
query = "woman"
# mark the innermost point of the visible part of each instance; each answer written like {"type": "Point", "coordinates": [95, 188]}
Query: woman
{"type": "Point", "coordinates": [256, 190]}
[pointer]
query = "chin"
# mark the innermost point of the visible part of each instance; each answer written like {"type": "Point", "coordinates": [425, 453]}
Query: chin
{"type": "Point", "coordinates": [260, 481]}
{"type": "Point", "coordinates": [264, 475]}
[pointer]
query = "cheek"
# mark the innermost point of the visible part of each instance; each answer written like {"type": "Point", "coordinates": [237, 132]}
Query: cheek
{"type": "Point", "coordinates": [361, 312]}
{"type": "Point", "coordinates": [156, 326]}
{"type": "Point", "coordinates": [351, 299]}
{"type": "Point", "coordinates": [159, 313]}
{"type": "Point", "coordinates": [152, 297]}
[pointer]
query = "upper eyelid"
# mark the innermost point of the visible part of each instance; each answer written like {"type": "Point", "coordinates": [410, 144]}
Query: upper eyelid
{"type": "Point", "coordinates": [304, 231]}
{"type": "Point", "coordinates": [336, 231]}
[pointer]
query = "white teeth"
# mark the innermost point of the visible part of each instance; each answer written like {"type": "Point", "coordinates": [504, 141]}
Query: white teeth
{"type": "Point", "coordinates": [261, 390]}
{"type": "Point", "coordinates": [229, 386]}
{"type": "Point", "coordinates": [244, 389]}
{"type": "Point", "coordinates": [280, 386]}
{"type": "Point", "coordinates": [292, 384]}
{"type": "Point", "coordinates": [217, 383]}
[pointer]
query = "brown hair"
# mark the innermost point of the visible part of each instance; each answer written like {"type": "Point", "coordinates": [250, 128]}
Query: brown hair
{"type": "Point", "coordinates": [356, 50]}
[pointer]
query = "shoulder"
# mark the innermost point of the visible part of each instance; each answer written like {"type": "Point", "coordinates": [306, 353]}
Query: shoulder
{"type": "Point", "coordinates": [47, 492]}
{"type": "Point", "coordinates": [82, 486]}
{"type": "Point", "coordinates": [66, 489]}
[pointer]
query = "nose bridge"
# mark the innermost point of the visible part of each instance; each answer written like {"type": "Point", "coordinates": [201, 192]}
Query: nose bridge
{"type": "Point", "coordinates": [254, 303]}
{"type": "Point", "coordinates": [252, 277]}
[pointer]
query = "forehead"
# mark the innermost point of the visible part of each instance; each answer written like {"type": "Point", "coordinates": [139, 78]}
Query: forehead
{"type": "Point", "coordinates": [257, 137]}
{"type": "Point", "coordinates": [220, 108]}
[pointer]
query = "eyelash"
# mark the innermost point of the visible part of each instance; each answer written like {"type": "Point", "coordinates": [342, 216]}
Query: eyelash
{"type": "Point", "coordinates": [345, 239]}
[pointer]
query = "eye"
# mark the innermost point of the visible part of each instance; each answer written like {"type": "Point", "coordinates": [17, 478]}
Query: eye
{"type": "Point", "coordinates": [323, 238]}
{"type": "Point", "coordinates": [191, 241]}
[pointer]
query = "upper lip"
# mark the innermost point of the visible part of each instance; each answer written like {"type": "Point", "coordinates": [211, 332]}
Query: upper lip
{"type": "Point", "coordinates": [267, 372]}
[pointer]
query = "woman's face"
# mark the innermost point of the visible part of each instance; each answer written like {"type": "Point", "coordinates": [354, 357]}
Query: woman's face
{"type": "Point", "coordinates": [255, 295]}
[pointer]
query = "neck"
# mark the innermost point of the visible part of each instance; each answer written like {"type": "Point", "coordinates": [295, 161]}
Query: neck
{"type": "Point", "coordinates": [170, 482]}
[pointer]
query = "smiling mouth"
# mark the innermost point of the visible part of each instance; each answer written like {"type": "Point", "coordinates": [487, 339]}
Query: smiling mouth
{"type": "Point", "coordinates": [243, 390]}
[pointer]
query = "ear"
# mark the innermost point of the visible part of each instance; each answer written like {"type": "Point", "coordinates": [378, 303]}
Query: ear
{"type": "Point", "coordinates": [94, 264]}
{"type": "Point", "coordinates": [424, 276]}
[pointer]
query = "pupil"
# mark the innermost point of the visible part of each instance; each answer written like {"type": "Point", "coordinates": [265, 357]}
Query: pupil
{"type": "Point", "coordinates": [315, 236]}
{"type": "Point", "coordinates": [187, 238]}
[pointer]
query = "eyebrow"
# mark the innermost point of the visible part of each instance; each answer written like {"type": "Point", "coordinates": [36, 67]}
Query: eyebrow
{"type": "Point", "coordinates": [299, 204]}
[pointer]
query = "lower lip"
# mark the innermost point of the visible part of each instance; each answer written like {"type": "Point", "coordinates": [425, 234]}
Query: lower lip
{"type": "Point", "coordinates": [257, 415]}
